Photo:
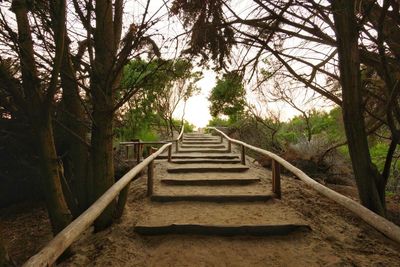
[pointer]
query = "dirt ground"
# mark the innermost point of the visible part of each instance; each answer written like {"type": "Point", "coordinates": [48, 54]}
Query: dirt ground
{"type": "Point", "coordinates": [25, 228]}
{"type": "Point", "coordinates": [337, 238]}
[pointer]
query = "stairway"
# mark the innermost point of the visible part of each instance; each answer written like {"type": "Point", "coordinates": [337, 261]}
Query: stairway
{"type": "Point", "coordinates": [206, 190]}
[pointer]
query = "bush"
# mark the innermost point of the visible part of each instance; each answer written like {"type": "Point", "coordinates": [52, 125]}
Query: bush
{"type": "Point", "coordinates": [219, 122]}
{"type": "Point", "coordinates": [188, 126]}
{"type": "Point", "coordinates": [378, 155]}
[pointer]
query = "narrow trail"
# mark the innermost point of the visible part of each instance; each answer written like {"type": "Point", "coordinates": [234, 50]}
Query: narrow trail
{"type": "Point", "coordinates": [208, 209]}
{"type": "Point", "coordinates": [221, 195]}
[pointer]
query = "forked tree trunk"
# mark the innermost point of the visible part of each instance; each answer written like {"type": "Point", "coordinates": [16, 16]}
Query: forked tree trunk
{"type": "Point", "coordinates": [38, 107]}
{"type": "Point", "coordinates": [366, 175]}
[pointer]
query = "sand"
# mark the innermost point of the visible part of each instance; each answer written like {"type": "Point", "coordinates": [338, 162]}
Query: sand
{"type": "Point", "coordinates": [337, 238]}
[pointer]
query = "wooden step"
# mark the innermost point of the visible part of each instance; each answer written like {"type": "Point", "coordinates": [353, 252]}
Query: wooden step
{"type": "Point", "coordinates": [197, 135]}
{"type": "Point", "coordinates": [201, 142]}
{"type": "Point", "coordinates": [212, 198]}
{"type": "Point", "coordinates": [235, 218]}
{"type": "Point", "coordinates": [201, 150]}
{"type": "Point", "coordinates": [209, 181]}
{"type": "Point", "coordinates": [207, 168]}
{"type": "Point", "coordinates": [182, 155]}
{"type": "Point", "coordinates": [203, 146]}
{"type": "Point", "coordinates": [224, 230]}
{"type": "Point", "coordinates": [204, 138]}
{"type": "Point", "coordinates": [194, 133]}
{"type": "Point", "coordinates": [206, 160]}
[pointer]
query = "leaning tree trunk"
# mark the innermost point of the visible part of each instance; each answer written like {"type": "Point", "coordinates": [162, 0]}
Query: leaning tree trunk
{"type": "Point", "coordinates": [51, 170]}
{"type": "Point", "coordinates": [366, 175]}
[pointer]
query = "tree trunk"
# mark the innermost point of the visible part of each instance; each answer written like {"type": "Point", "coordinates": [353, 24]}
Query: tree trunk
{"type": "Point", "coordinates": [171, 126]}
{"type": "Point", "coordinates": [102, 160]}
{"type": "Point", "coordinates": [102, 85]}
{"type": "Point", "coordinates": [365, 172]}
{"type": "Point", "coordinates": [39, 111]}
{"type": "Point", "coordinates": [51, 174]}
{"type": "Point", "coordinates": [77, 154]}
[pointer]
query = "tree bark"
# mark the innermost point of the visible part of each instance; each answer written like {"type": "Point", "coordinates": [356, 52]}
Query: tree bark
{"type": "Point", "coordinates": [77, 156]}
{"type": "Point", "coordinates": [51, 174]}
{"type": "Point", "coordinates": [102, 160]}
{"type": "Point", "coordinates": [39, 106]}
{"type": "Point", "coordinates": [102, 88]}
{"type": "Point", "coordinates": [366, 175]}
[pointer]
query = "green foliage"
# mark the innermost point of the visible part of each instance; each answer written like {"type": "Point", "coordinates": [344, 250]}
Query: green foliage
{"type": "Point", "coordinates": [378, 154]}
{"type": "Point", "coordinates": [219, 122]}
{"type": "Point", "coordinates": [289, 136]}
{"type": "Point", "coordinates": [188, 126]}
{"type": "Point", "coordinates": [327, 123]}
{"type": "Point", "coordinates": [228, 97]}
{"type": "Point", "coordinates": [156, 89]}
{"type": "Point", "coordinates": [132, 128]}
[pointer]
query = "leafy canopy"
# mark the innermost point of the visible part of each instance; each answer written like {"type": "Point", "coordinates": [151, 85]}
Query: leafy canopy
{"type": "Point", "coordinates": [156, 88]}
{"type": "Point", "coordinates": [228, 96]}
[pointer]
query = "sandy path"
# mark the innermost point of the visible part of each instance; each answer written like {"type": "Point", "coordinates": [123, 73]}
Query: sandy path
{"type": "Point", "coordinates": [337, 238]}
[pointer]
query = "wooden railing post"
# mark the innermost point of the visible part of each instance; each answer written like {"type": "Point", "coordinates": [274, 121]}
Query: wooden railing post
{"type": "Point", "coordinates": [152, 150]}
{"type": "Point", "coordinates": [127, 151]}
{"type": "Point", "coordinates": [243, 157]}
{"type": "Point", "coordinates": [176, 145]}
{"type": "Point", "coordinates": [229, 146]}
{"type": "Point", "coordinates": [135, 152]}
{"type": "Point", "coordinates": [276, 178]}
{"type": "Point", "coordinates": [169, 153]}
{"type": "Point", "coordinates": [221, 139]}
{"type": "Point", "coordinates": [139, 152]}
{"type": "Point", "coordinates": [150, 177]}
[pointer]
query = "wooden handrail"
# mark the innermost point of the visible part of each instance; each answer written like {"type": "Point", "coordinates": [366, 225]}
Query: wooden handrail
{"type": "Point", "coordinates": [181, 133]}
{"type": "Point", "coordinates": [49, 254]}
{"type": "Point", "coordinates": [134, 144]}
{"type": "Point", "coordinates": [380, 223]}
{"type": "Point", "coordinates": [179, 138]}
{"type": "Point", "coordinates": [155, 142]}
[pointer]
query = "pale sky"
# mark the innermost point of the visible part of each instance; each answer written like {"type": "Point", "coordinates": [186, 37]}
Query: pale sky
{"type": "Point", "coordinates": [197, 107]}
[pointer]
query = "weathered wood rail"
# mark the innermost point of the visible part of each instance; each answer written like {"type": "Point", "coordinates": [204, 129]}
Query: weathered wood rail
{"type": "Point", "coordinates": [50, 253]}
{"type": "Point", "coordinates": [380, 223]}
{"type": "Point", "coordinates": [138, 146]}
